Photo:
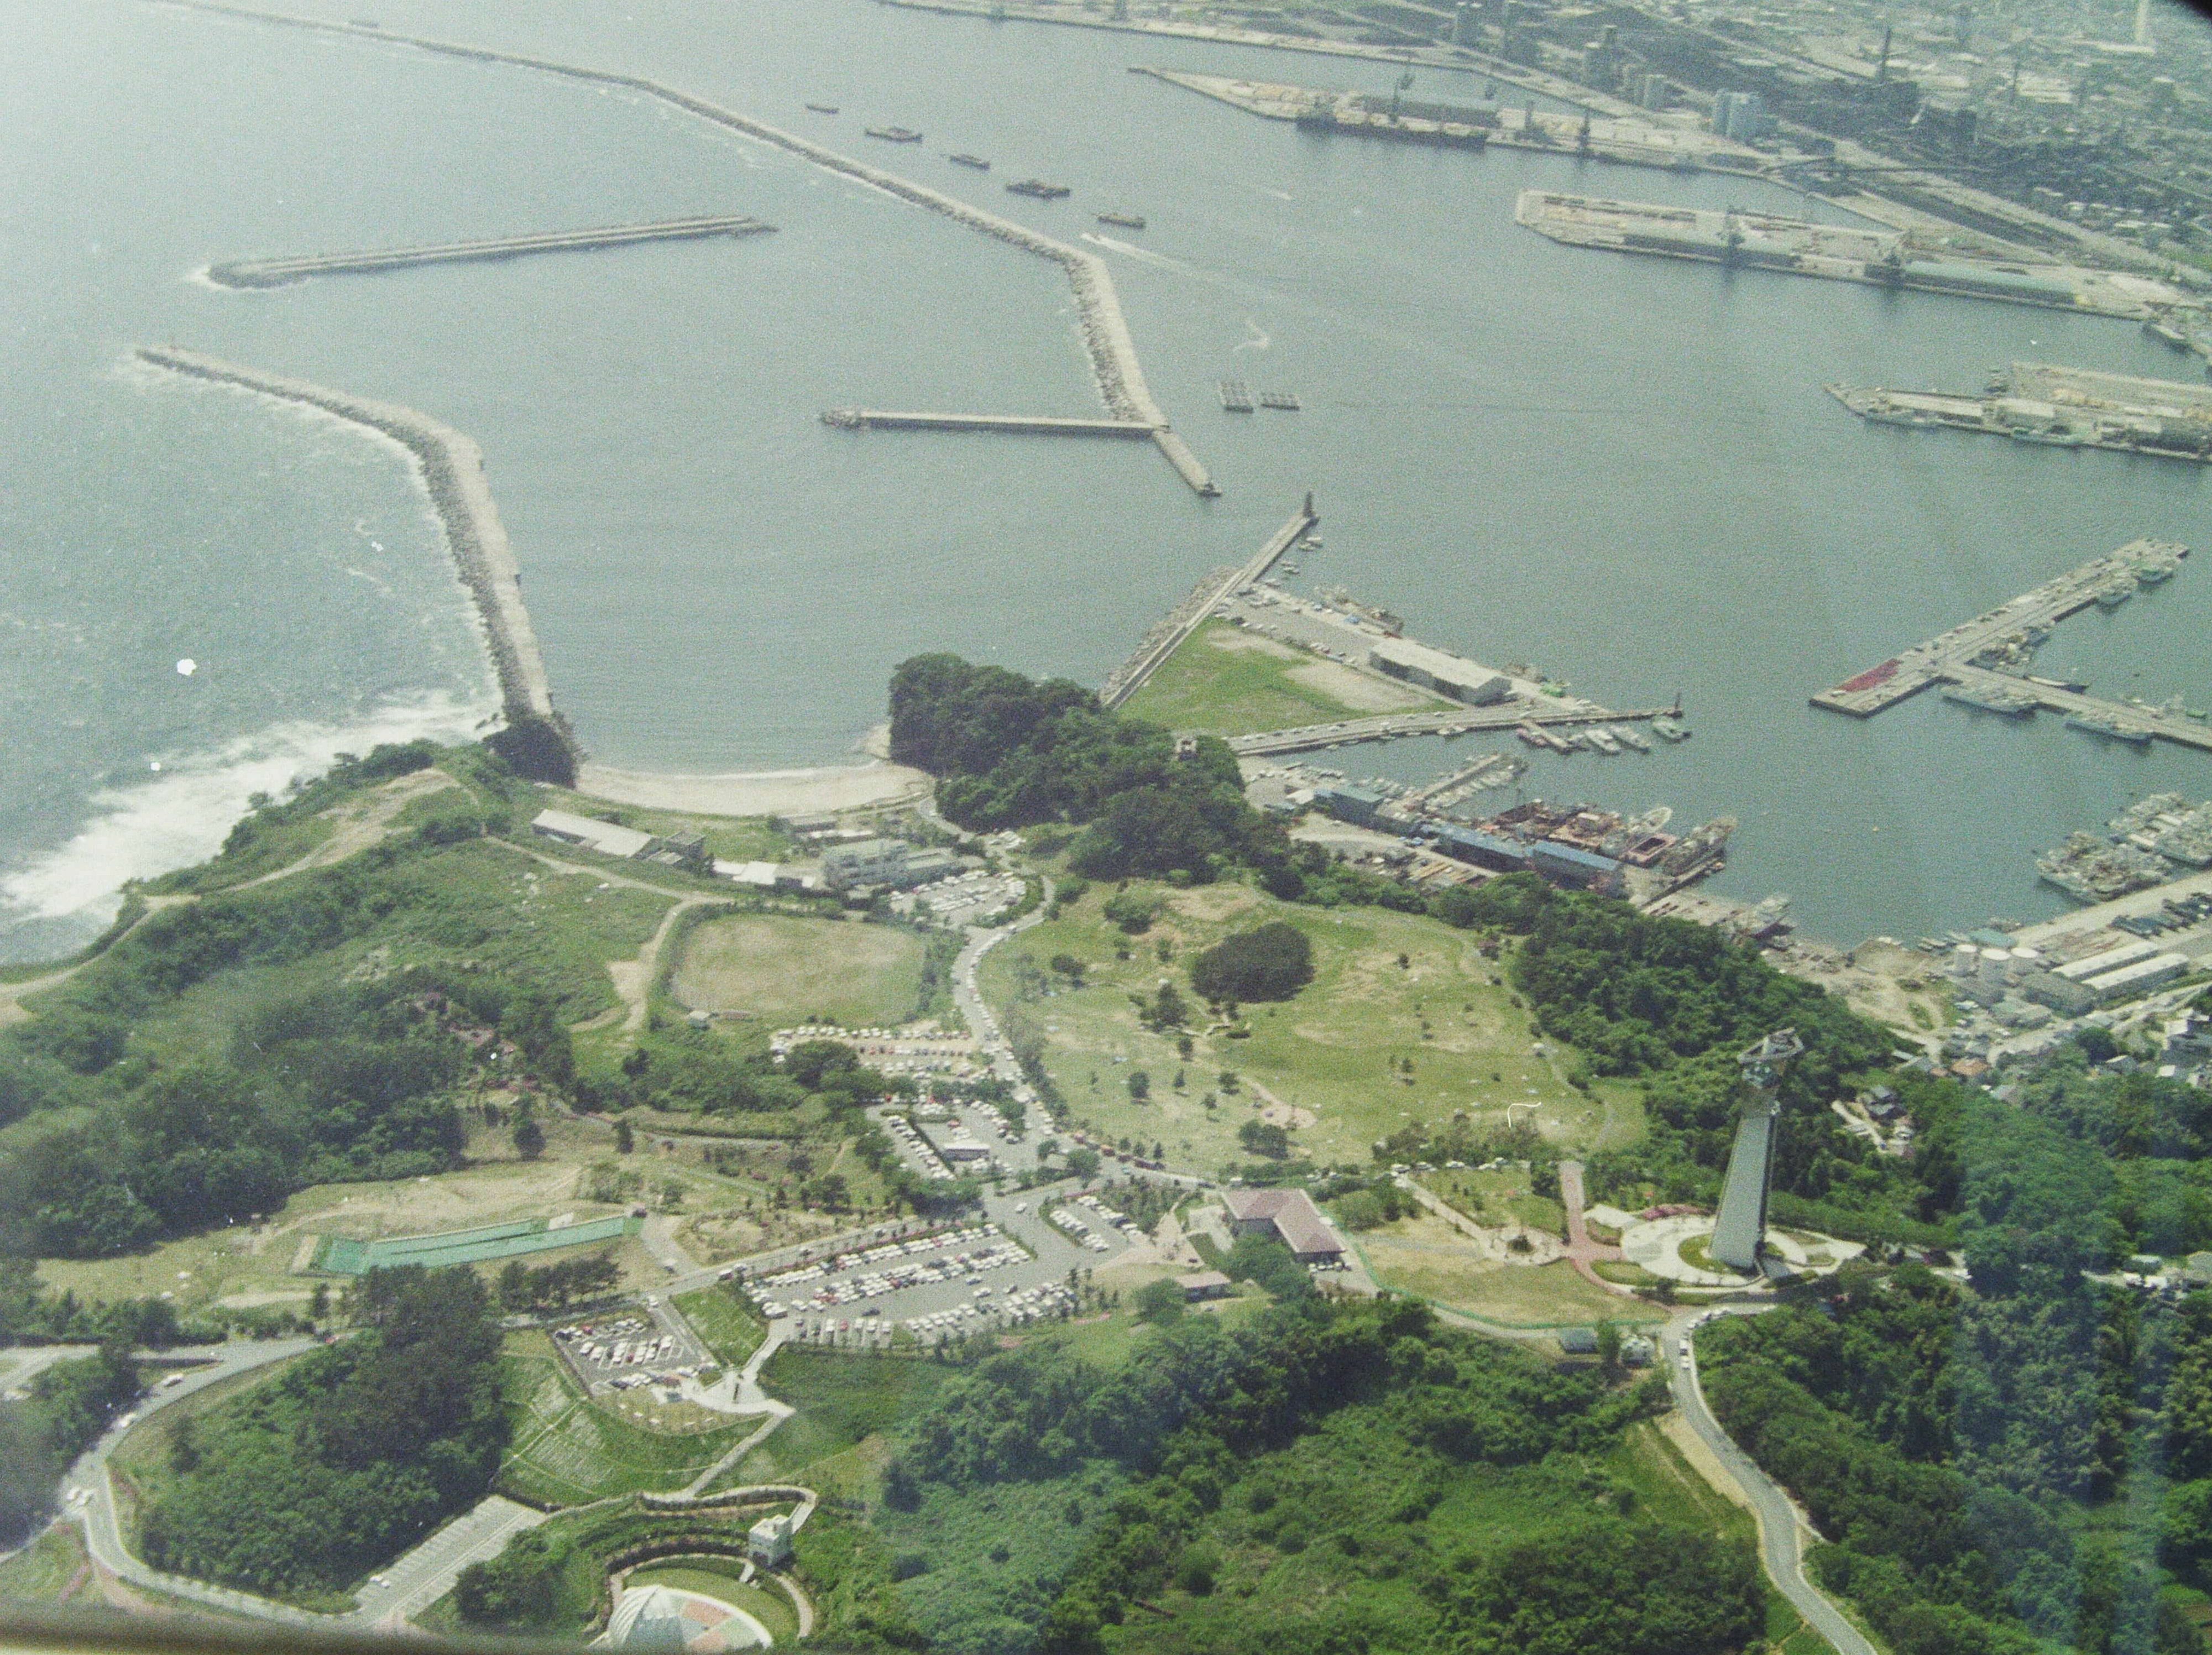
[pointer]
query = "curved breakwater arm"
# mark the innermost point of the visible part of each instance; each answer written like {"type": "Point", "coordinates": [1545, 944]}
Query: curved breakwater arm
{"type": "Point", "coordinates": [453, 470]}
{"type": "Point", "coordinates": [1114, 365]}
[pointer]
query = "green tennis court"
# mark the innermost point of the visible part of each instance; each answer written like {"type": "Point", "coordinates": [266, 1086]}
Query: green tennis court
{"type": "Point", "coordinates": [345, 1255]}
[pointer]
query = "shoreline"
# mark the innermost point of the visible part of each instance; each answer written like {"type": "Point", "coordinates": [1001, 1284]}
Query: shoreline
{"type": "Point", "coordinates": [1115, 371]}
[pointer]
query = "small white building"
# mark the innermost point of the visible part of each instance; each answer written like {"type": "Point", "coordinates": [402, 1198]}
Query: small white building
{"type": "Point", "coordinates": [607, 838]}
{"type": "Point", "coordinates": [768, 1542]}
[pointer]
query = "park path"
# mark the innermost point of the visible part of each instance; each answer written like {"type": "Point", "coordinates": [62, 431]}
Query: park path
{"type": "Point", "coordinates": [633, 978]}
{"type": "Point", "coordinates": [1581, 1252]}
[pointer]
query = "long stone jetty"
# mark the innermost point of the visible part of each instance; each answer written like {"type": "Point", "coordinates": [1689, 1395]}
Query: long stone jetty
{"type": "Point", "coordinates": [277, 272]}
{"type": "Point", "coordinates": [882, 419]}
{"type": "Point", "coordinates": [452, 468]}
{"type": "Point", "coordinates": [1114, 365]}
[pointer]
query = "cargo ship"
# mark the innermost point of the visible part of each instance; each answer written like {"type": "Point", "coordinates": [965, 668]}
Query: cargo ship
{"type": "Point", "coordinates": [2006, 703]}
{"type": "Point", "coordinates": [976, 161]}
{"type": "Point", "coordinates": [894, 134]}
{"type": "Point", "coordinates": [1039, 190]}
{"type": "Point", "coordinates": [1127, 221]}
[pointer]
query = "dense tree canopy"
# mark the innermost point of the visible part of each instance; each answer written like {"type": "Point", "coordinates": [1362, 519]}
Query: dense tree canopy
{"type": "Point", "coordinates": [1012, 752]}
{"type": "Point", "coordinates": [1270, 961]}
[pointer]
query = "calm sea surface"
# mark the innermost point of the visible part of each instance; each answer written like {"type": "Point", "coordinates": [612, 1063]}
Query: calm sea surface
{"type": "Point", "coordinates": [1624, 472]}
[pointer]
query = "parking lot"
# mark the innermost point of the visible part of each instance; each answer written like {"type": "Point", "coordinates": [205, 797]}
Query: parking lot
{"type": "Point", "coordinates": [627, 1348]}
{"type": "Point", "coordinates": [974, 899]}
{"type": "Point", "coordinates": [1006, 1270]}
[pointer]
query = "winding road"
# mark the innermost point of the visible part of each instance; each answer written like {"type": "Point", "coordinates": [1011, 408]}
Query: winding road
{"type": "Point", "coordinates": [1780, 1527]}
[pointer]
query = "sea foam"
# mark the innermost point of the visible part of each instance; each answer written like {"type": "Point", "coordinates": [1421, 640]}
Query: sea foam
{"type": "Point", "coordinates": [181, 813]}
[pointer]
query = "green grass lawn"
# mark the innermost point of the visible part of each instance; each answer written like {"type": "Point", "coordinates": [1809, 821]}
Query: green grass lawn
{"type": "Point", "coordinates": [1337, 1051]}
{"type": "Point", "coordinates": [566, 1449]}
{"type": "Point", "coordinates": [780, 969]}
{"type": "Point", "coordinates": [1427, 1258]}
{"type": "Point", "coordinates": [728, 1325]}
{"type": "Point", "coordinates": [52, 1569]}
{"type": "Point", "coordinates": [1496, 1198]}
{"type": "Point", "coordinates": [1227, 681]}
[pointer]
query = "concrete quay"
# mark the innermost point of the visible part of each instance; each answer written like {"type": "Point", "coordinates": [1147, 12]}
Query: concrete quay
{"type": "Point", "coordinates": [1457, 720]}
{"type": "Point", "coordinates": [1950, 656]}
{"type": "Point", "coordinates": [1130, 678]}
{"type": "Point", "coordinates": [451, 469]}
{"type": "Point", "coordinates": [279, 273]}
{"type": "Point", "coordinates": [1105, 330]}
{"type": "Point", "coordinates": [861, 419]}
{"type": "Point", "coordinates": [1612, 136]}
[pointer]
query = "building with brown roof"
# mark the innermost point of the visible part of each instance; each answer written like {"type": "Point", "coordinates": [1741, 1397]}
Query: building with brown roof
{"type": "Point", "coordinates": [1288, 1215]}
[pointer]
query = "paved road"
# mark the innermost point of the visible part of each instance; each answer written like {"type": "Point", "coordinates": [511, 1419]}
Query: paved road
{"type": "Point", "coordinates": [1779, 1535]}
{"type": "Point", "coordinates": [420, 1578]}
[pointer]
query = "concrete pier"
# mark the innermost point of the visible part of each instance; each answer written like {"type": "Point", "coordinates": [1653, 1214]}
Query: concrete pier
{"type": "Point", "coordinates": [1986, 654]}
{"type": "Point", "coordinates": [860, 419]}
{"type": "Point", "coordinates": [452, 468]}
{"type": "Point", "coordinates": [1130, 678]}
{"type": "Point", "coordinates": [1105, 331]}
{"type": "Point", "coordinates": [277, 272]}
{"type": "Point", "coordinates": [1457, 721]}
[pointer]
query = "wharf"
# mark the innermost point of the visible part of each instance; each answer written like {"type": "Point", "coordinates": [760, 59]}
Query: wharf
{"type": "Point", "coordinates": [1130, 677]}
{"type": "Point", "coordinates": [1614, 137]}
{"type": "Point", "coordinates": [1800, 247]}
{"type": "Point", "coordinates": [277, 272]}
{"type": "Point", "coordinates": [2056, 407]}
{"type": "Point", "coordinates": [1455, 721]}
{"type": "Point", "coordinates": [1954, 657]}
{"type": "Point", "coordinates": [857, 419]}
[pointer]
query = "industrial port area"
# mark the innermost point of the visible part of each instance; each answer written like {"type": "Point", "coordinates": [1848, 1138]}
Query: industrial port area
{"type": "Point", "coordinates": [2061, 407]}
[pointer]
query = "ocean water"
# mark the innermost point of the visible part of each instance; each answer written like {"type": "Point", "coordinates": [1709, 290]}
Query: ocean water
{"type": "Point", "coordinates": [1624, 471]}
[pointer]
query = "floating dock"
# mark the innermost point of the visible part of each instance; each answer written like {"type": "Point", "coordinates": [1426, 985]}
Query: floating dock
{"type": "Point", "coordinates": [2049, 406]}
{"type": "Point", "coordinates": [278, 272]}
{"type": "Point", "coordinates": [1983, 656]}
{"type": "Point", "coordinates": [1800, 247]}
{"type": "Point", "coordinates": [1105, 330]}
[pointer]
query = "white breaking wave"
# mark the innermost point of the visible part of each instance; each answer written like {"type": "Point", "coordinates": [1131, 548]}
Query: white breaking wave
{"type": "Point", "coordinates": [1256, 337]}
{"type": "Point", "coordinates": [182, 812]}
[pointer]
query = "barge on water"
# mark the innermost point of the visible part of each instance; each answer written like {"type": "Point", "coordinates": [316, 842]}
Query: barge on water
{"type": "Point", "coordinates": [1127, 221]}
{"type": "Point", "coordinates": [976, 162]}
{"type": "Point", "coordinates": [894, 134]}
{"type": "Point", "coordinates": [824, 108]}
{"type": "Point", "coordinates": [1037, 189]}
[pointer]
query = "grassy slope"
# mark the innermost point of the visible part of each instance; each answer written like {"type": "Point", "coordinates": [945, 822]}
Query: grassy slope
{"type": "Point", "coordinates": [782, 968]}
{"type": "Point", "coordinates": [846, 1403]}
{"type": "Point", "coordinates": [1334, 1051]}
{"type": "Point", "coordinates": [566, 1450]}
{"type": "Point", "coordinates": [732, 1331]}
{"type": "Point", "coordinates": [1226, 681]}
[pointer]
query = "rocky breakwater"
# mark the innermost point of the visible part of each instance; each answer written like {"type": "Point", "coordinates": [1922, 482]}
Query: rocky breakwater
{"type": "Point", "coordinates": [1106, 338]}
{"type": "Point", "coordinates": [538, 740]}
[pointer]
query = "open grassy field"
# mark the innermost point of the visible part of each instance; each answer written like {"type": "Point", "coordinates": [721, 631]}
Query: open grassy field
{"type": "Point", "coordinates": [717, 1577]}
{"type": "Point", "coordinates": [1331, 1062]}
{"type": "Point", "coordinates": [1226, 681]}
{"type": "Point", "coordinates": [785, 970]}
{"type": "Point", "coordinates": [1496, 1198]}
{"type": "Point", "coordinates": [728, 1325]}
{"type": "Point", "coordinates": [1427, 1258]}
{"type": "Point", "coordinates": [52, 1569]}
{"type": "Point", "coordinates": [566, 1449]}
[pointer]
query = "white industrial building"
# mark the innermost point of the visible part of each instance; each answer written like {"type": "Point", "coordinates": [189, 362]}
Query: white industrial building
{"type": "Point", "coordinates": [1438, 670]}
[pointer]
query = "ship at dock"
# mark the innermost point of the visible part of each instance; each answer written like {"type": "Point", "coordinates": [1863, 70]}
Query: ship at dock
{"type": "Point", "coordinates": [2006, 703]}
{"type": "Point", "coordinates": [1038, 190]}
{"type": "Point", "coordinates": [2111, 728]}
{"type": "Point", "coordinates": [2154, 839]}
